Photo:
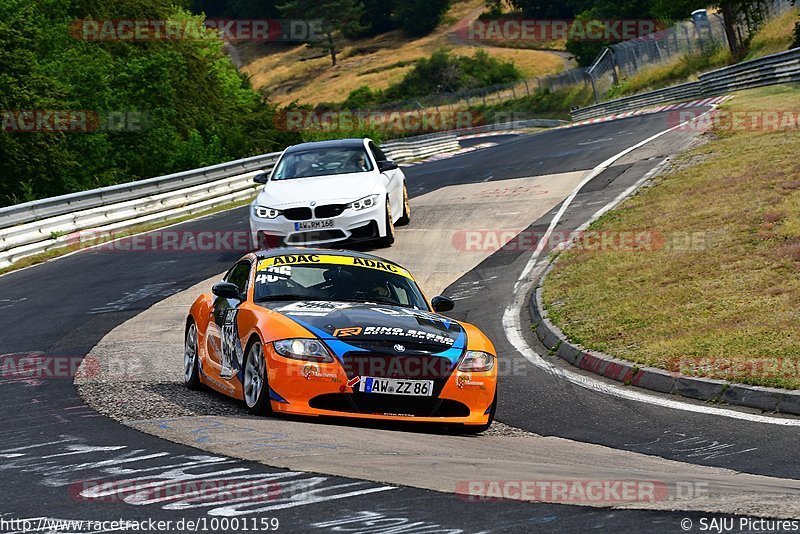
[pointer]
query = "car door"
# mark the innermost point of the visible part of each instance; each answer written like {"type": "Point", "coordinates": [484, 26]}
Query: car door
{"type": "Point", "coordinates": [224, 344]}
{"type": "Point", "coordinates": [395, 180]}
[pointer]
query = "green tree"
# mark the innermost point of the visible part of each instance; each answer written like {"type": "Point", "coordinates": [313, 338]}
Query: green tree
{"type": "Point", "coordinates": [420, 17]}
{"type": "Point", "coordinates": [337, 17]}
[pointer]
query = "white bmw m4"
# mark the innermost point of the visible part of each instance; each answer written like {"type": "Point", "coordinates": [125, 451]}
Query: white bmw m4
{"type": "Point", "coordinates": [330, 191]}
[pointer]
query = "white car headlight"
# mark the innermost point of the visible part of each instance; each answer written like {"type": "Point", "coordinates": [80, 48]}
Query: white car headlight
{"type": "Point", "coordinates": [476, 362]}
{"type": "Point", "coordinates": [303, 349]}
{"type": "Point", "coordinates": [262, 212]}
{"type": "Point", "coordinates": [364, 203]}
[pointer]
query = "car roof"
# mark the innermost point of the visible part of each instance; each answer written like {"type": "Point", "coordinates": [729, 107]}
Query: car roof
{"type": "Point", "coordinates": [332, 143]}
{"type": "Point", "coordinates": [284, 251]}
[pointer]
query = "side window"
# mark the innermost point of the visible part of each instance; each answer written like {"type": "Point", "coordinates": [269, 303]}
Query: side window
{"type": "Point", "coordinates": [377, 152]}
{"type": "Point", "coordinates": [239, 275]}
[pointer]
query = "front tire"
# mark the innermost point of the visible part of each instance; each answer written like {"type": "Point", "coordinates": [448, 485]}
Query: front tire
{"type": "Point", "coordinates": [388, 239]}
{"type": "Point", "coordinates": [191, 359]}
{"type": "Point", "coordinates": [256, 388]}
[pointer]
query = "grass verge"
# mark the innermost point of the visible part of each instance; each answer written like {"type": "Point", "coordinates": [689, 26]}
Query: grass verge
{"type": "Point", "coordinates": [59, 251]}
{"type": "Point", "coordinates": [716, 293]}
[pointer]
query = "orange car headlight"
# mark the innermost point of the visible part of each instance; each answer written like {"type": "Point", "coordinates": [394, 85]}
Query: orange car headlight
{"type": "Point", "coordinates": [475, 361]}
{"type": "Point", "coordinates": [311, 350]}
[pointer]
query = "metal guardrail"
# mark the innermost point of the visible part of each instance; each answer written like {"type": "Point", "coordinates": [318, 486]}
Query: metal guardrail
{"type": "Point", "coordinates": [38, 226]}
{"type": "Point", "coordinates": [783, 67]}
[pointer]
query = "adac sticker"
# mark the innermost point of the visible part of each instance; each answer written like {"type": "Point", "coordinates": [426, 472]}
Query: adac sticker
{"type": "Point", "coordinates": [332, 259]}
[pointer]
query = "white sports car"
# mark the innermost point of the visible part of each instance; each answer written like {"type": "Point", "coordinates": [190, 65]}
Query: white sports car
{"type": "Point", "coordinates": [330, 191]}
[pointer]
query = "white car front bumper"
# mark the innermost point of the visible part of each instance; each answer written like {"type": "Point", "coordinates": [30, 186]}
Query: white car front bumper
{"type": "Point", "coordinates": [352, 225]}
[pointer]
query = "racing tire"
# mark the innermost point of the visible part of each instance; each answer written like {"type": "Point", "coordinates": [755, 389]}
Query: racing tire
{"type": "Point", "coordinates": [191, 359]}
{"type": "Point", "coordinates": [477, 429]}
{"type": "Point", "coordinates": [255, 384]}
{"type": "Point", "coordinates": [388, 239]}
{"type": "Point", "coordinates": [406, 217]}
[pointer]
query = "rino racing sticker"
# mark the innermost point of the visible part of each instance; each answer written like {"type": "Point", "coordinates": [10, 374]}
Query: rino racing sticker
{"type": "Point", "coordinates": [232, 351]}
{"type": "Point", "coordinates": [408, 334]}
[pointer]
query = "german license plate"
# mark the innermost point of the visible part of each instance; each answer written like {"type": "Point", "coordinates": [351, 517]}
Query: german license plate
{"type": "Point", "coordinates": [313, 225]}
{"type": "Point", "coordinates": [396, 386]}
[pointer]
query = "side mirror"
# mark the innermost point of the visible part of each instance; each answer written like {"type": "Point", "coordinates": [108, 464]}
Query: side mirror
{"type": "Point", "coordinates": [387, 165]}
{"type": "Point", "coordinates": [227, 290]}
{"type": "Point", "coordinates": [442, 304]}
{"type": "Point", "coordinates": [261, 178]}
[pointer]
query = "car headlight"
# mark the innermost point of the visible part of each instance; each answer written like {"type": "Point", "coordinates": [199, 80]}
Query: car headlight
{"type": "Point", "coordinates": [303, 349]}
{"type": "Point", "coordinates": [263, 212]}
{"type": "Point", "coordinates": [476, 362]}
{"type": "Point", "coordinates": [364, 203]}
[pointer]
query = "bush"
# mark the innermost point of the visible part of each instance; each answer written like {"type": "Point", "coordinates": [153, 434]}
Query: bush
{"type": "Point", "coordinates": [420, 17]}
{"type": "Point", "coordinates": [446, 73]}
{"type": "Point", "coordinates": [796, 41]}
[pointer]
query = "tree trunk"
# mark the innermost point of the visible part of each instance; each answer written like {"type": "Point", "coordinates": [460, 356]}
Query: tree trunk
{"type": "Point", "coordinates": [332, 48]}
{"type": "Point", "coordinates": [729, 21]}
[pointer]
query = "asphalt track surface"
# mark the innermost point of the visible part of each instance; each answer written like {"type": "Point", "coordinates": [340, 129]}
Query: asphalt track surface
{"type": "Point", "coordinates": [50, 440]}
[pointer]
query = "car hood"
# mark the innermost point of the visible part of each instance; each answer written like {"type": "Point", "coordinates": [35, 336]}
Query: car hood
{"type": "Point", "coordinates": [337, 189]}
{"type": "Point", "coordinates": [375, 326]}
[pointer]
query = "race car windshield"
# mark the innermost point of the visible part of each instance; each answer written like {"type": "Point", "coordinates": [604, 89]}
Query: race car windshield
{"type": "Point", "coordinates": [322, 162]}
{"type": "Point", "coordinates": [347, 283]}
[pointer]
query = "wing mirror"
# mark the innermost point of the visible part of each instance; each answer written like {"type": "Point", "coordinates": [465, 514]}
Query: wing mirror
{"type": "Point", "coordinates": [442, 304]}
{"type": "Point", "coordinates": [387, 165]}
{"type": "Point", "coordinates": [261, 178]}
{"type": "Point", "coordinates": [227, 290]}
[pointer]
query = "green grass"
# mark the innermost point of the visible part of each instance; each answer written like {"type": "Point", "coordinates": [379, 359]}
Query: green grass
{"type": "Point", "coordinates": [543, 104]}
{"type": "Point", "coordinates": [720, 297]}
{"type": "Point", "coordinates": [775, 36]}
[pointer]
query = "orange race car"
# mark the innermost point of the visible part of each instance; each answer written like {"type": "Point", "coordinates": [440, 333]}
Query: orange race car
{"type": "Point", "coordinates": [323, 332]}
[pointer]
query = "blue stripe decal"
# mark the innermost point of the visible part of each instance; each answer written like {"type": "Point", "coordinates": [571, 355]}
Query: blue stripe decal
{"type": "Point", "coordinates": [339, 348]}
{"type": "Point", "coordinates": [454, 353]}
{"type": "Point", "coordinates": [277, 398]}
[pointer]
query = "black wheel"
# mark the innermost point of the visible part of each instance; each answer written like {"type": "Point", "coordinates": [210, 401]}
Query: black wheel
{"type": "Point", "coordinates": [191, 360]}
{"type": "Point", "coordinates": [256, 388]}
{"type": "Point", "coordinates": [477, 429]}
{"type": "Point", "coordinates": [406, 217]}
{"type": "Point", "coordinates": [388, 239]}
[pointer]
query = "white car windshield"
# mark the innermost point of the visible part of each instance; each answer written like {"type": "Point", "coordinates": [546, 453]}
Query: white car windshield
{"type": "Point", "coordinates": [322, 162]}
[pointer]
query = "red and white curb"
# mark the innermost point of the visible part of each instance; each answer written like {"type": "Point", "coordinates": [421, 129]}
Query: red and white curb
{"type": "Point", "coordinates": [713, 101]}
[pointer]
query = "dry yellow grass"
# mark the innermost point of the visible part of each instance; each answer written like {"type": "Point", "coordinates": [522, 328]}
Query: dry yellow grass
{"type": "Point", "coordinates": [775, 36]}
{"type": "Point", "coordinates": [720, 299]}
{"type": "Point", "coordinates": [289, 73]}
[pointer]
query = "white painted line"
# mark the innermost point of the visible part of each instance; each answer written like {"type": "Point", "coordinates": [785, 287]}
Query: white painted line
{"type": "Point", "coordinates": [513, 327]}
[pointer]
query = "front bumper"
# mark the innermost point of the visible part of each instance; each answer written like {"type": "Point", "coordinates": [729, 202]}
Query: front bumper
{"type": "Point", "coordinates": [350, 225]}
{"type": "Point", "coordinates": [321, 389]}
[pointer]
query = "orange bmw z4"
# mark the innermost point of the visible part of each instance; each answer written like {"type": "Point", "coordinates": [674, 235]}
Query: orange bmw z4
{"type": "Point", "coordinates": [335, 333]}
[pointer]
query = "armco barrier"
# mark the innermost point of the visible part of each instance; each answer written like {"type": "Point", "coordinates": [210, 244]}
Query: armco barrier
{"type": "Point", "coordinates": [783, 67]}
{"type": "Point", "coordinates": [38, 226]}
